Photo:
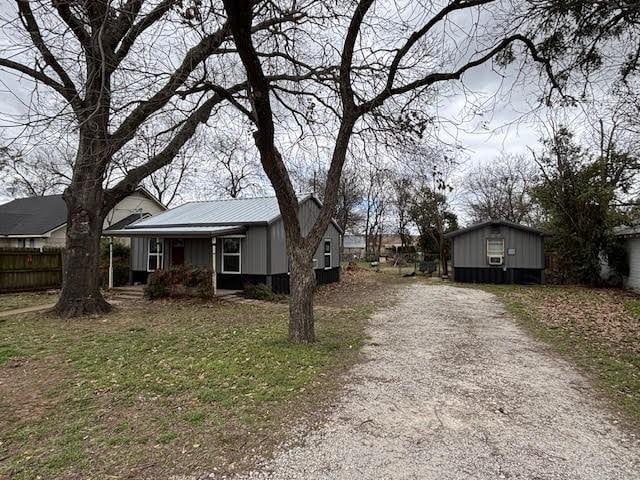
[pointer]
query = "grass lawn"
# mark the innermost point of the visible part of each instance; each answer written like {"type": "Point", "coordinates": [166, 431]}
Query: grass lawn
{"type": "Point", "coordinates": [160, 389]}
{"type": "Point", "coordinates": [11, 301]}
{"type": "Point", "coordinates": [596, 329]}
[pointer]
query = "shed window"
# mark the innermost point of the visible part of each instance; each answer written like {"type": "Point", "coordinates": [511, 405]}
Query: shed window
{"type": "Point", "coordinates": [156, 259]}
{"type": "Point", "coordinates": [231, 255]}
{"type": "Point", "coordinates": [327, 254]}
{"type": "Point", "coordinates": [495, 247]}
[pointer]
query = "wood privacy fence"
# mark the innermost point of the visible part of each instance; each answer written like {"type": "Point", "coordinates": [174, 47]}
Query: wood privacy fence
{"type": "Point", "coordinates": [25, 269]}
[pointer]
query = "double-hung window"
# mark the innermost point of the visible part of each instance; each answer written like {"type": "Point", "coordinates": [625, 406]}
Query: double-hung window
{"type": "Point", "coordinates": [231, 255]}
{"type": "Point", "coordinates": [155, 259]}
{"type": "Point", "coordinates": [327, 254]}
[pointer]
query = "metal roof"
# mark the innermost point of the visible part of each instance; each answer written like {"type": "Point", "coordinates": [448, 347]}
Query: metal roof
{"type": "Point", "coordinates": [488, 223]}
{"type": "Point", "coordinates": [32, 215]}
{"type": "Point", "coordinates": [216, 212]}
{"type": "Point", "coordinates": [161, 231]}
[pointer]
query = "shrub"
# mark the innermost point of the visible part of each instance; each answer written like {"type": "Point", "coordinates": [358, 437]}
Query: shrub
{"type": "Point", "coordinates": [178, 282]}
{"type": "Point", "coordinates": [261, 291]}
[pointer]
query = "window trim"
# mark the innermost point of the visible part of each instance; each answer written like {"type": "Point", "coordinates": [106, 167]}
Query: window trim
{"type": "Point", "coordinates": [239, 255]}
{"type": "Point", "coordinates": [155, 254]}
{"type": "Point", "coordinates": [325, 253]}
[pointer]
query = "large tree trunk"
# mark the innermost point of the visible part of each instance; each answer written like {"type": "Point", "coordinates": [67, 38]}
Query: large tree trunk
{"type": "Point", "coordinates": [302, 282]}
{"type": "Point", "coordinates": [81, 271]}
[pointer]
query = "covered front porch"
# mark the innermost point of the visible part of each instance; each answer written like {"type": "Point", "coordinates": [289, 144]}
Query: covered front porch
{"type": "Point", "coordinates": [218, 249]}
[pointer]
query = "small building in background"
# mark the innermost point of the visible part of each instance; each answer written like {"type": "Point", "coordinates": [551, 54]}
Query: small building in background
{"type": "Point", "coordinates": [498, 252]}
{"type": "Point", "coordinates": [353, 247]}
{"type": "Point", "coordinates": [631, 236]}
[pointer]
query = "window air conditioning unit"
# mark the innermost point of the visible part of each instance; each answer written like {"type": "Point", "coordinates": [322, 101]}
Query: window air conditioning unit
{"type": "Point", "coordinates": [497, 260]}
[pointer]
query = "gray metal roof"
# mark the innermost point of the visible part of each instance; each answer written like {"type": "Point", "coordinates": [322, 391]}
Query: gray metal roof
{"type": "Point", "coordinates": [216, 212]}
{"type": "Point", "coordinates": [161, 231]}
{"type": "Point", "coordinates": [504, 223]}
{"type": "Point", "coordinates": [32, 215]}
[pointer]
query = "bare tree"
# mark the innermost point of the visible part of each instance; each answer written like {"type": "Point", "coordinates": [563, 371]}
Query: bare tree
{"type": "Point", "coordinates": [37, 173]}
{"type": "Point", "coordinates": [403, 192]}
{"type": "Point", "coordinates": [376, 201]}
{"type": "Point", "coordinates": [234, 168]}
{"type": "Point", "coordinates": [116, 67]}
{"type": "Point", "coordinates": [500, 190]}
{"type": "Point", "coordinates": [370, 77]}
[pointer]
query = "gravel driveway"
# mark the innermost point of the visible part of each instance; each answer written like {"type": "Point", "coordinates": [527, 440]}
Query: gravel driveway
{"type": "Point", "coordinates": [452, 389]}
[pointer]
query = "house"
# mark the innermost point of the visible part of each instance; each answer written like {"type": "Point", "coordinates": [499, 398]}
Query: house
{"type": "Point", "coordinates": [631, 236]}
{"type": "Point", "coordinates": [241, 240]}
{"type": "Point", "coordinates": [37, 222]}
{"type": "Point", "coordinates": [353, 246]}
{"type": "Point", "coordinates": [498, 252]}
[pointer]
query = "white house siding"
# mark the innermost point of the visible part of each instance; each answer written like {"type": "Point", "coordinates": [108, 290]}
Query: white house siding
{"type": "Point", "coordinates": [633, 249]}
{"type": "Point", "coordinates": [134, 203]}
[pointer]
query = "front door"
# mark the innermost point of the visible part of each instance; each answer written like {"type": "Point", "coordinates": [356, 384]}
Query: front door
{"type": "Point", "coordinates": [177, 251]}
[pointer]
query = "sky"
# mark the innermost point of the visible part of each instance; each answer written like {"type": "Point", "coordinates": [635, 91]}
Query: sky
{"type": "Point", "coordinates": [508, 123]}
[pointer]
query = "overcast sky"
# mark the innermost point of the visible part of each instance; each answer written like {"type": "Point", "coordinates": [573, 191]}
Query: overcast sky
{"type": "Point", "coordinates": [506, 124]}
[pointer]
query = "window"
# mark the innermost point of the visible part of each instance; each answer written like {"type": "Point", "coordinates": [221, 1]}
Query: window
{"type": "Point", "coordinates": [155, 261]}
{"type": "Point", "coordinates": [495, 251]}
{"type": "Point", "coordinates": [327, 254]}
{"type": "Point", "coordinates": [231, 255]}
{"type": "Point", "coordinates": [32, 243]}
{"type": "Point", "coordinates": [21, 243]}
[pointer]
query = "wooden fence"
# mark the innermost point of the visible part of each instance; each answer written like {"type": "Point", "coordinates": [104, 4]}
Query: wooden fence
{"type": "Point", "coordinates": [27, 269]}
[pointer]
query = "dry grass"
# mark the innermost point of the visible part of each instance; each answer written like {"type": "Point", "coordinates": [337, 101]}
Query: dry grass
{"type": "Point", "coordinates": [12, 301]}
{"type": "Point", "coordinates": [169, 388]}
{"type": "Point", "coordinates": [597, 329]}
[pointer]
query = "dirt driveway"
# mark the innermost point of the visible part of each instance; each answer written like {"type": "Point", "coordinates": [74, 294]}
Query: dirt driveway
{"type": "Point", "coordinates": [452, 389]}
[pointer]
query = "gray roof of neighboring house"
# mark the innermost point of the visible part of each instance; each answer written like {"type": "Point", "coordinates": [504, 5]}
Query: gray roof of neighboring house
{"type": "Point", "coordinates": [32, 215]}
{"type": "Point", "coordinates": [492, 223]}
{"type": "Point", "coordinates": [216, 213]}
{"type": "Point", "coordinates": [36, 216]}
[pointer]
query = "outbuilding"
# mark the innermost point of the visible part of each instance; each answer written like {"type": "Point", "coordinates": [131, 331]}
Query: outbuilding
{"type": "Point", "coordinates": [242, 241]}
{"type": "Point", "coordinates": [498, 251]}
{"type": "Point", "coordinates": [631, 236]}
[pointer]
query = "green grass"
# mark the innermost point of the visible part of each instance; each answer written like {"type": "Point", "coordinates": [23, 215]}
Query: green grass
{"type": "Point", "coordinates": [11, 301]}
{"type": "Point", "coordinates": [611, 361]}
{"type": "Point", "coordinates": [633, 307]}
{"type": "Point", "coordinates": [138, 387]}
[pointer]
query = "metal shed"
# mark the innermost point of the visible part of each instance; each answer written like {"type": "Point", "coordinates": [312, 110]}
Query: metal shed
{"type": "Point", "coordinates": [498, 251]}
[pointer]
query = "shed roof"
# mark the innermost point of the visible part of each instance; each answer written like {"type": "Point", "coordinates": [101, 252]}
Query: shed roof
{"type": "Point", "coordinates": [215, 213]}
{"type": "Point", "coordinates": [492, 223]}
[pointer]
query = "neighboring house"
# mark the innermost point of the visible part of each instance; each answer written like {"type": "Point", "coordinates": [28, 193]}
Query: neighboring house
{"type": "Point", "coordinates": [631, 236]}
{"type": "Point", "coordinates": [353, 246]}
{"type": "Point", "coordinates": [498, 252]}
{"type": "Point", "coordinates": [36, 222]}
{"type": "Point", "coordinates": [241, 240]}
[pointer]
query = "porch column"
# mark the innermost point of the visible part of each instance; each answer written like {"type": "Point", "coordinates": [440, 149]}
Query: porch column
{"type": "Point", "coordinates": [110, 262]}
{"type": "Point", "coordinates": [213, 264]}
